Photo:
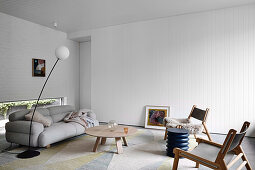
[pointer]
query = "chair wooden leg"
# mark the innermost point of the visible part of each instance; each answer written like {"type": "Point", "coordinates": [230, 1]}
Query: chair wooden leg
{"type": "Point", "coordinates": [239, 149]}
{"type": "Point", "coordinates": [165, 134]}
{"type": "Point", "coordinates": [176, 161]}
{"type": "Point", "coordinates": [197, 165]}
{"type": "Point", "coordinates": [207, 132]}
{"type": "Point", "coordinates": [195, 136]}
{"type": "Point", "coordinates": [223, 165]}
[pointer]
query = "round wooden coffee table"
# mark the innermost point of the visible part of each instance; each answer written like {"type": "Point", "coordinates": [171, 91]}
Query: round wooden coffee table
{"type": "Point", "coordinates": [102, 132]}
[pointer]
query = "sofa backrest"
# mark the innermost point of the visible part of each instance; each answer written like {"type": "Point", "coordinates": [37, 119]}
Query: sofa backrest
{"type": "Point", "coordinates": [58, 113]}
{"type": "Point", "coordinates": [45, 112]}
{"type": "Point", "coordinates": [54, 113]}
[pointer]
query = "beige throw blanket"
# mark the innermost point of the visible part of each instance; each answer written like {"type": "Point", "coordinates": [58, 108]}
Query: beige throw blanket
{"type": "Point", "coordinates": [81, 118]}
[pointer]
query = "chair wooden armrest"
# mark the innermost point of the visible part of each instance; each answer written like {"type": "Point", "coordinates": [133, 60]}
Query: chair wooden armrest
{"type": "Point", "coordinates": [200, 140]}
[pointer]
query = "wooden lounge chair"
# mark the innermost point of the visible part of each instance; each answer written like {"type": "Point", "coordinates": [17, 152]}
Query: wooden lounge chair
{"type": "Point", "coordinates": [193, 128]}
{"type": "Point", "coordinates": [217, 156]}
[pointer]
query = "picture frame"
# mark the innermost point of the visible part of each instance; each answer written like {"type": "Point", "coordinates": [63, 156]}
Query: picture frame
{"type": "Point", "coordinates": [38, 67]}
{"type": "Point", "coordinates": [155, 116]}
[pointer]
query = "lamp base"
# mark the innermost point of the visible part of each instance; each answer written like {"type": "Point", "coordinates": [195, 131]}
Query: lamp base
{"type": "Point", "coordinates": [28, 154]}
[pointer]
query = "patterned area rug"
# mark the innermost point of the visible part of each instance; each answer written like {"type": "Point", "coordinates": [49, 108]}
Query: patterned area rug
{"type": "Point", "coordinates": [146, 150]}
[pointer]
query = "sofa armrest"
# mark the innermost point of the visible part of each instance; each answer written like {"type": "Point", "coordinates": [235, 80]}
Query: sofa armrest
{"type": "Point", "coordinates": [24, 127]}
{"type": "Point", "coordinates": [18, 115]}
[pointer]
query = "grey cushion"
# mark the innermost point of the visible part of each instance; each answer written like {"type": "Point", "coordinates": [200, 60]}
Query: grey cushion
{"type": "Point", "coordinates": [38, 117]}
{"type": "Point", "coordinates": [21, 126]}
{"type": "Point", "coordinates": [59, 117]}
{"type": "Point", "coordinates": [79, 128]}
{"type": "Point", "coordinates": [60, 109]}
{"type": "Point", "coordinates": [43, 111]}
{"type": "Point", "coordinates": [58, 113]}
{"type": "Point", "coordinates": [56, 132]}
{"type": "Point", "coordinates": [18, 115]}
{"type": "Point", "coordinates": [50, 118]}
{"type": "Point", "coordinates": [210, 152]}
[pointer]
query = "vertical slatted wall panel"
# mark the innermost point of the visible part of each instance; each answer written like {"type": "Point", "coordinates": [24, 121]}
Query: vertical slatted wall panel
{"type": "Point", "coordinates": [205, 59]}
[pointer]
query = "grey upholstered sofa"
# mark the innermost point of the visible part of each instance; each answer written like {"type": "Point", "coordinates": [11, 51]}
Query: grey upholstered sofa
{"type": "Point", "coordinates": [17, 129]}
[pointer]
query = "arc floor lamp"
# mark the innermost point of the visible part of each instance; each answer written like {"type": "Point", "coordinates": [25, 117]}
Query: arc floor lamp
{"type": "Point", "coordinates": [61, 53]}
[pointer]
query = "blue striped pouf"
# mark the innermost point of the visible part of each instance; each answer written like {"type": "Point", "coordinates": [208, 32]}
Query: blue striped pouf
{"type": "Point", "coordinates": [176, 138]}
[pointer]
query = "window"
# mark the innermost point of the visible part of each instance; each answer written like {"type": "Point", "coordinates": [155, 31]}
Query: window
{"type": "Point", "coordinates": [8, 107]}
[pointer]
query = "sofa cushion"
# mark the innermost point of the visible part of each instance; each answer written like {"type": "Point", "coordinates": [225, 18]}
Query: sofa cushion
{"type": "Point", "coordinates": [60, 109]}
{"type": "Point", "coordinates": [46, 113]}
{"type": "Point", "coordinates": [38, 117]}
{"type": "Point", "coordinates": [79, 128]}
{"type": "Point", "coordinates": [59, 117]}
{"type": "Point", "coordinates": [43, 111]}
{"type": "Point", "coordinates": [58, 113]}
{"type": "Point", "coordinates": [56, 132]}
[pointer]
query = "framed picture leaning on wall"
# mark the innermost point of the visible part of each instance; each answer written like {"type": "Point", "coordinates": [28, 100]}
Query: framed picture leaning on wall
{"type": "Point", "coordinates": [155, 116]}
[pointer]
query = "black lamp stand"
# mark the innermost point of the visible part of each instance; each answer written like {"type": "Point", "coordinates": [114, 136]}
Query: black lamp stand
{"type": "Point", "coordinates": [30, 153]}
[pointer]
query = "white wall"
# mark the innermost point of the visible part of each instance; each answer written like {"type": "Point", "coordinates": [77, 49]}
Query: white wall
{"type": "Point", "coordinates": [85, 75]}
{"type": "Point", "coordinates": [205, 59]}
{"type": "Point", "coordinates": [20, 41]}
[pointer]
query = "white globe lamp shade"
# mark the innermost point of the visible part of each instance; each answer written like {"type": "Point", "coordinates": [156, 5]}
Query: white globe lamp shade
{"type": "Point", "coordinates": [62, 52]}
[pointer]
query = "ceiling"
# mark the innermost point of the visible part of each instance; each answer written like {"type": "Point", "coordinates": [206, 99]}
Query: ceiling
{"type": "Point", "coordinates": [78, 15]}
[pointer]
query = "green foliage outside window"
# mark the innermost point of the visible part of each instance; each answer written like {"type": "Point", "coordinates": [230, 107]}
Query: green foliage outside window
{"type": "Point", "coordinates": [5, 106]}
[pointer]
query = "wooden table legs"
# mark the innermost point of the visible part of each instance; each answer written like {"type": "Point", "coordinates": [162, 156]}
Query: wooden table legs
{"type": "Point", "coordinates": [125, 141]}
{"type": "Point", "coordinates": [103, 140]}
{"type": "Point", "coordinates": [118, 143]}
{"type": "Point", "coordinates": [96, 144]}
